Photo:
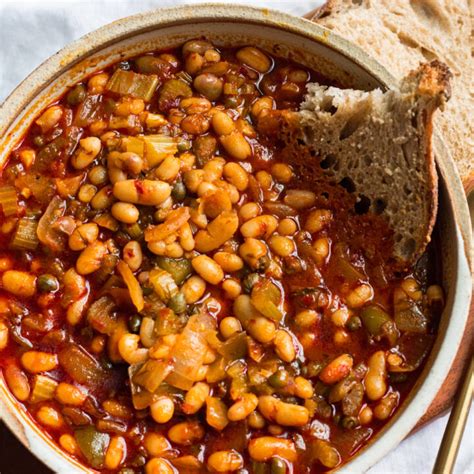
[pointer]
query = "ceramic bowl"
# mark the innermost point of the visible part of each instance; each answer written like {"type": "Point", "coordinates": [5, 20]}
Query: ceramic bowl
{"type": "Point", "coordinates": [282, 35]}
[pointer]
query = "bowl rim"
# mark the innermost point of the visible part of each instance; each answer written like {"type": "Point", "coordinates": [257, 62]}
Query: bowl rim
{"type": "Point", "coordinates": [11, 412]}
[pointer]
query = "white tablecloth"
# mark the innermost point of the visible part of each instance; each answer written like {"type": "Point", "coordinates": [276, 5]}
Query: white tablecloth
{"type": "Point", "coordinates": [30, 31]}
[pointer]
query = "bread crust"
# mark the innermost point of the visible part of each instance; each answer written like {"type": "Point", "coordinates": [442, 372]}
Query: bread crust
{"type": "Point", "coordinates": [401, 35]}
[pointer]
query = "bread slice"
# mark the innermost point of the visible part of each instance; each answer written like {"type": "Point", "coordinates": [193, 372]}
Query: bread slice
{"type": "Point", "coordinates": [377, 145]}
{"type": "Point", "coordinates": [404, 33]}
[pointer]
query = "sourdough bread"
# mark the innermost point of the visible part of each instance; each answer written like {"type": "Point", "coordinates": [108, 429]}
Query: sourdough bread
{"type": "Point", "coordinates": [405, 33]}
{"type": "Point", "coordinates": [378, 146]}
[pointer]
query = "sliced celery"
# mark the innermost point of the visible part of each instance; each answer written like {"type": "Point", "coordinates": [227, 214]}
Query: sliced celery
{"type": "Point", "coordinates": [25, 235]}
{"type": "Point", "coordinates": [130, 83]}
{"type": "Point", "coordinates": [8, 200]}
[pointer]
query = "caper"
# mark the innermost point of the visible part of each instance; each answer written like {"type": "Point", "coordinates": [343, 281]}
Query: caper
{"type": "Point", "coordinates": [184, 145]}
{"type": "Point", "coordinates": [349, 422]}
{"type": "Point", "coordinates": [47, 283]}
{"type": "Point", "coordinates": [232, 102]}
{"type": "Point", "coordinates": [249, 281]}
{"type": "Point", "coordinates": [179, 191]}
{"type": "Point", "coordinates": [312, 369]}
{"type": "Point", "coordinates": [354, 323]}
{"type": "Point", "coordinates": [279, 379]}
{"type": "Point", "coordinates": [38, 140]}
{"type": "Point", "coordinates": [76, 95]}
{"type": "Point", "coordinates": [140, 460]}
{"type": "Point", "coordinates": [177, 303]}
{"type": "Point", "coordinates": [278, 466]}
{"type": "Point", "coordinates": [134, 323]}
{"type": "Point", "coordinates": [147, 291]}
{"type": "Point", "coordinates": [133, 230]}
{"type": "Point", "coordinates": [259, 468]}
{"type": "Point", "coordinates": [208, 85]}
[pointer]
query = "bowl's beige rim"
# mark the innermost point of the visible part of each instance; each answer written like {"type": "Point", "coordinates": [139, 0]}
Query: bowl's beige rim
{"type": "Point", "coordinates": [20, 423]}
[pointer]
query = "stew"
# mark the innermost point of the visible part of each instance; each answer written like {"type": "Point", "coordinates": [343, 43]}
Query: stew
{"type": "Point", "coordinates": [174, 298]}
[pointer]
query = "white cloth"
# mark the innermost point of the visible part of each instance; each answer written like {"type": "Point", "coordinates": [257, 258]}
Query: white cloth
{"type": "Point", "coordinates": [31, 31]}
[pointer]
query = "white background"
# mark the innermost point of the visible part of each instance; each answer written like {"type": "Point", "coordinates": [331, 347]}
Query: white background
{"type": "Point", "coordinates": [30, 31]}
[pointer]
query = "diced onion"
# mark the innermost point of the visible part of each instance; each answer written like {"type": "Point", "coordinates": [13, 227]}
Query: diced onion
{"type": "Point", "coordinates": [8, 200]}
{"type": "Point", "coordinates": [136, 293]}
{"type": "Point", "coordinates": [189, 351]}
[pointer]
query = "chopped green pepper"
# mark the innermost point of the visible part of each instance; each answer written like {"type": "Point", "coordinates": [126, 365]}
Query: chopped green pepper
{"type": "Point", "coordinates": [93, 445]}
{"type": "Point", "coordinates": [179, 268]}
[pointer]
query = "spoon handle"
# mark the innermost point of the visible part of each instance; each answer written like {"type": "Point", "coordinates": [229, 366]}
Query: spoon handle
{"type": "Point", "coordinates": [457, 421]}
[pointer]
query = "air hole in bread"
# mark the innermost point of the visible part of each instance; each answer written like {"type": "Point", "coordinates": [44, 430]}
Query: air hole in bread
{"type": "Point", "coordinates": [406, 189]}
{"type": "Point", "coordinates": [348, 184]}
{"type": "Point", "coordinates": [362, 206]}
{"type": "Point", "coordinates": [387, 179]}
{"type": "Point", "coordinates": [427, 54]}
{"type": "Point", "coordinates": [367, 160]}
{"type": "Point", "coordinates": [308, 134]}
{"type": "Point", "coordinates": [379, 205]}
{"type": "Point", "coordinates": [328, 162]}
{"type": "Point", "coordinates": [327, 105]}
{"type": "Point", "coordinates": [414, 120]}
{"type": "Point", "coordinates": [352, 125]}
{"type": "Point", "coordinates": [409, 246]}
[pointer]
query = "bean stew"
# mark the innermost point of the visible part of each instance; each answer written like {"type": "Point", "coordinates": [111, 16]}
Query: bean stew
{"type": "Point", "coordinates": [174, 298]}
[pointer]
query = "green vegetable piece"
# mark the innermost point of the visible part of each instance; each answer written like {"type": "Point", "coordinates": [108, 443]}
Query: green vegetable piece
{"type": "Point", "coordinates": [177, 303]}
{"type": "Point", "coordinates": [409, 318]}
{"type": "Point", "coordinates": [312, 369]}
{"type": "Point", "coordinates": [266, 298]}
{"type": "Point", "coordinates": [184, 145]}
{"type": "Point", "coordinates": [76, 95]}
{"type": "Point", "coordinates": [25, 235]}
{"type": "Point", "coordinates": [47, 283]}
{"type": "Point", "coordinates": [179, 191]}
{"type": "Point", "coordinates": [8, 200]}
{"type": "Point", "coordinates": [249, 281]}
{"type": "Point", "coordinates": [134, 323]}
{"type": "Point", "coordinates": [278, 466]}
{"type": "Point", "coordinates": [373, 318]}
{"type": "Point", "coordinates": [260, 468]}
{"type": "Point", "coordinates": [349, 422]}
{"type": "Point", "coordinates": [354, 323]}
{"type": "Point", "coordinates": [101, 315]}
{"type": "Point", "coordinates": [130, 83]}
{"type": "Point", "coordinates": [179, 268]}
{"type": "Point", "coordinates": [170, 91]}
{"type": "Point", "coordinates": [93, 445]}
{"type": "Point", "coordinates": [279, 379]}
{"type": "Point", "coordinates": [235, 347]}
